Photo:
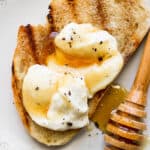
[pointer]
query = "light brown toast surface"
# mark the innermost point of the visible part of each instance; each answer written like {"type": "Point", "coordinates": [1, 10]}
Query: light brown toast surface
{"type": "Point", "coordinates": [125, 20]}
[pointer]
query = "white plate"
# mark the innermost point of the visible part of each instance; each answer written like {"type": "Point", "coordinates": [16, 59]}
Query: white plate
{"type": "Point", "coordinates": [13, 136]}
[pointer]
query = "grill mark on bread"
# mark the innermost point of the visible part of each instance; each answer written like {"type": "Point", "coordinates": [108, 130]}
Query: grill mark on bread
{"type": "Point", "coordinates": [41, 51]}
{"type": "Point", "coordinates": [72, 5]}
{"type": "Point", "coordinates": [65, 8]}
{"type": "Point", "coordinates": [90, 14]}
{"type": "Point", "coordinates": [31, 41]}
{"type": "Point", "coordinates": [81, 11]}
{"type": "Point", "coordinates": [88, 11]}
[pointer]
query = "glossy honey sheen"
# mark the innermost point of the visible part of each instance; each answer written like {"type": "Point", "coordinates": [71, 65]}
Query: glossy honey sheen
{"type": "Point", "coordinates": [110, 101]}
{"type": "Point", "coordinates": [63, 59]}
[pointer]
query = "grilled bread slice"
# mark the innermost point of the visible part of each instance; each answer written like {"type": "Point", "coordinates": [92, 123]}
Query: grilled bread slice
{"type": "Point", "coordinates": [126, 20]}
{"type": "Point", "coordinates": [33, 46]}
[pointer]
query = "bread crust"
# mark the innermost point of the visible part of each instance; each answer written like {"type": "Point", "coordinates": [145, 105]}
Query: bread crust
{"type": "Point", "coordinates": [34, 45]}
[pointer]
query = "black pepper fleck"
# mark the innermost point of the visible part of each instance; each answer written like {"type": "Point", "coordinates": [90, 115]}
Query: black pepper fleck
{"type": "Point", "coordinates": [66, 64]}
{"type": "Point", "coordinates": [65, 94]}
{"type": "Point", "coordinates": [37, 88]}
{"type": "Point", "coordinates": [96, 124]}
{"type": "Point", "coordinates": [81, 78]}
{"type": "Point", "coordinates": [63, 118]}
{"type": "Point", "coordinates": [74, 32]}
{"type": "Point", "coordinates": [71, 38]}
{"type": "Point", "coordinates": [101, 42]}
{"type": "Point", "coordinates": [100, 58]}
{"type": "Point", "coordinates": [94, 49]}
{"type": "Point", "coordinates": [69, 124]}
{"type": "Point", "coordinates": [69, 93]}
{"type": "Point", "coordinates": [63, 38]}
{"type": "Point", "coordinates": [70, 45]}
{"type": "Point", "coordinates": [89, 134]}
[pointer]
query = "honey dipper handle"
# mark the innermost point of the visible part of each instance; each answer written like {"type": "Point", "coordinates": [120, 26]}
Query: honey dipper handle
{"type": "Point", "coordinates": [141, 82]}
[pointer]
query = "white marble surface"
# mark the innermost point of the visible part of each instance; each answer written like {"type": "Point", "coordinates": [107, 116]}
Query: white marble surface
{"type": "Point", "coordinates": [12, 133]}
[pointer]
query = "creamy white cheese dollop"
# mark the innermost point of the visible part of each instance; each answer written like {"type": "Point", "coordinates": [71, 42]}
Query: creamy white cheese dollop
{"type": "Point", "coordinates": [88, 43]}
{"type": "Point", "coordinates": [55, 101]}
{"type": "Point", "coordinates": [86, 60]}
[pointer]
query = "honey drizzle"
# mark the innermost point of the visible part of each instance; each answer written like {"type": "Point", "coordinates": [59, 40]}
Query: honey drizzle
{"type": "Point", "coordinates": [110, 101]}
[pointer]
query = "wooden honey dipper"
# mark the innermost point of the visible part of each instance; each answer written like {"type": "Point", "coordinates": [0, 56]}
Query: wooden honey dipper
{"type": "Point", "coordinates": [126, 126]}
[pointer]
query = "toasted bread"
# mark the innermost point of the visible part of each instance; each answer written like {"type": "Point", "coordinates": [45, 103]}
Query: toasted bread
{"type": "Point", "coordinates": [127, 20]}
{"type": "Point", "coordinates": [129, 26]}
{"type": "Point", "coordinates": [33, 46]}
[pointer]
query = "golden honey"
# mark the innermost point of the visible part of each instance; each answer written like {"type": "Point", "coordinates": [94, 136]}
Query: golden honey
{"type": "Point", "coordinates": [110, 101]}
